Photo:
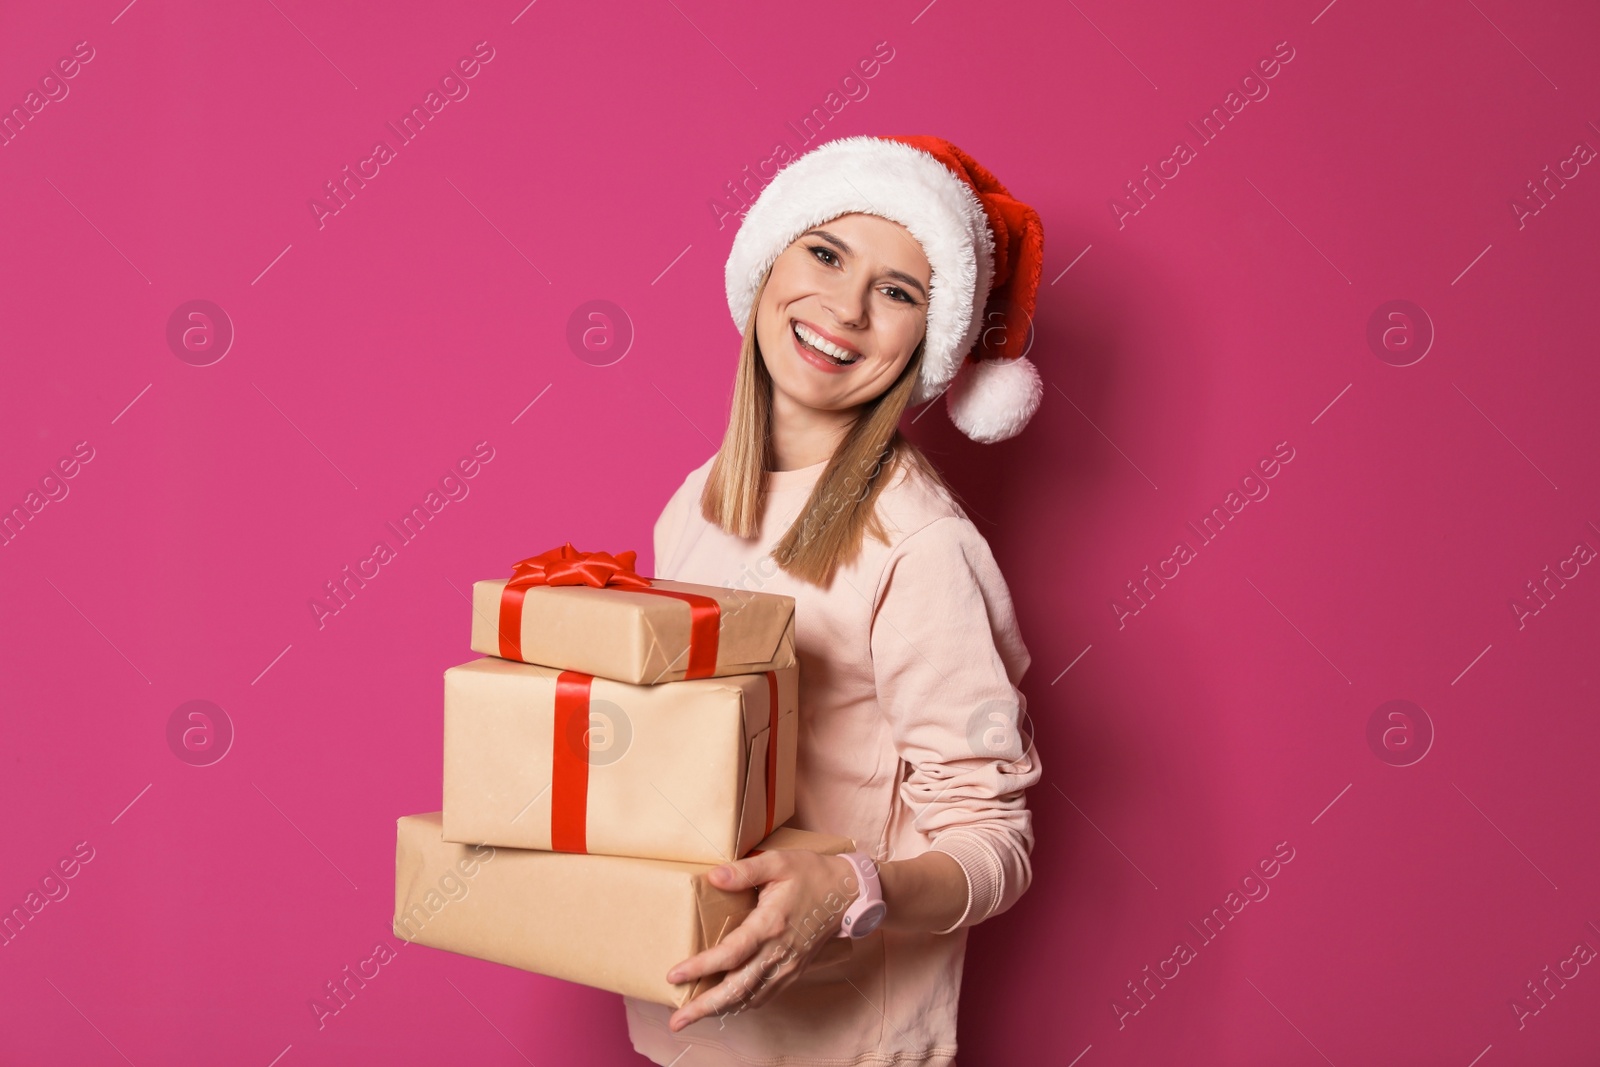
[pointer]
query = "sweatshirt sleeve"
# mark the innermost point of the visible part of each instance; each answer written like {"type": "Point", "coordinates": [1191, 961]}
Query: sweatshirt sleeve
{"type": "Point", "coordinates": [947, 655]}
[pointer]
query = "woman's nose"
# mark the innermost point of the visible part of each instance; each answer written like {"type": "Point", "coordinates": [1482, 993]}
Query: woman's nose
{"type": "Point", "coordinates": [848, 305]}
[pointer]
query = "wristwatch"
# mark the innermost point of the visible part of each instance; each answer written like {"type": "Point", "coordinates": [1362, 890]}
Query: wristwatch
{"type": "Point", "coordinates": [866, 912]}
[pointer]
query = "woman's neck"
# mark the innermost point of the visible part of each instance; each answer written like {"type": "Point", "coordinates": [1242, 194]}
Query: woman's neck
{"type": "Point", "coordinates": [803, 436]}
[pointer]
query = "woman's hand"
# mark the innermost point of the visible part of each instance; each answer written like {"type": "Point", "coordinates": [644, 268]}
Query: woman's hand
{"type": "Point", "coordinates": [801, 905]}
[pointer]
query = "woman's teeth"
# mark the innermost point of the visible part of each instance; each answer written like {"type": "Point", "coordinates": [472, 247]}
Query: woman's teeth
{"type": "Point", "coordinates": [824, 347]}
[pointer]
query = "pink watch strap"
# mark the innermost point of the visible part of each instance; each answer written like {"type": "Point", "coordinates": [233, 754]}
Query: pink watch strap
{"type": "Point", "coordinates": [867, 911]}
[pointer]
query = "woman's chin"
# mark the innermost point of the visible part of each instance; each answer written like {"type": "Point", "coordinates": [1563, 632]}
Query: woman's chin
{"type": "Point", "coordinates": [828, 394]}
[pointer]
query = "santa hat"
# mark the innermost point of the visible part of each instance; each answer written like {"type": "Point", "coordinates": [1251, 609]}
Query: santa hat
{"type": "Point", "coordinates": [985, 247]}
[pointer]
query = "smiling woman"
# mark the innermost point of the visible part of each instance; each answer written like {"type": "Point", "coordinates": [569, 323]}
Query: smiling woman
{"type": "Point", "coordinates": [862, 280]}
{"type": "Point", "coordinates": [822, 276]}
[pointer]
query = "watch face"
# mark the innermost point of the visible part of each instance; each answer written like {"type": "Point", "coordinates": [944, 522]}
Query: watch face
{"type": "Point", "coordinates": [868, 920]}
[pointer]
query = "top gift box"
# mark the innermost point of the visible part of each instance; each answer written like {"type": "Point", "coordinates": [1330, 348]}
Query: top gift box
{"type": "Point", "coordinates": [591, 612]}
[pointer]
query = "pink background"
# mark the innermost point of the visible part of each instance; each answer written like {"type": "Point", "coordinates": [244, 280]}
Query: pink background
{"type": "Point", "coordinates": [1229, 314]}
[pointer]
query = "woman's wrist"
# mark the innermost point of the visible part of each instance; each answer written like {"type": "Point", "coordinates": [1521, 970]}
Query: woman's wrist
{"type": "Point", "coordinates": [926, 894]}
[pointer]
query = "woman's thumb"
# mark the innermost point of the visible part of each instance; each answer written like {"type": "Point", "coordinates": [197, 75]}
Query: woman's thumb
{"type": "Point", "coordinates": [741, 874]}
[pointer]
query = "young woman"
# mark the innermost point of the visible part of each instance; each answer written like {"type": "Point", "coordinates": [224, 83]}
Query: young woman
{"type": "Point", "coordinates": [871, 273]}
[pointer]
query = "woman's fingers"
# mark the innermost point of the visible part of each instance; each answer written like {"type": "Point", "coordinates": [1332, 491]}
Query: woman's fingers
{"type": "Point", "coordinates": [749, 986]}
{"type": "Point", "coordinates": [719, 998]}
{"type": "Point", "coordinates": [755, 955]}
{"type": "Point", "coordinates": [760, 924]}
{"type": "Point", "coordinates": [740, 944]}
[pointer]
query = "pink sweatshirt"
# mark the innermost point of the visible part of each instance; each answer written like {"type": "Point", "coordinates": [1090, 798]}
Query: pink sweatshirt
{"type": "Point", "coordinates": [908, 669]}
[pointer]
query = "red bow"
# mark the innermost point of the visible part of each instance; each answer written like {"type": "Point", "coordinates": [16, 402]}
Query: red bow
{"type": "Point", "coordinates": [599, 570]}
{"type": "Point", "coordinates": [567, 566]}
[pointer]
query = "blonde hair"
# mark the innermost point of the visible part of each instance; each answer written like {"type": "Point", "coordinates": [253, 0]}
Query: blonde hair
{"type": "Point", "coordinates": [842, 508]}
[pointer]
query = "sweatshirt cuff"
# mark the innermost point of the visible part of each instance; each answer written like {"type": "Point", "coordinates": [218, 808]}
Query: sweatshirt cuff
{"type": "Point", "coordinates": [983, 873]}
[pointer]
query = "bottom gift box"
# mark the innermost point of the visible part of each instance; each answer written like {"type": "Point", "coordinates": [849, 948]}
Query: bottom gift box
{"type": "Point", "coordinates": [612, 922]}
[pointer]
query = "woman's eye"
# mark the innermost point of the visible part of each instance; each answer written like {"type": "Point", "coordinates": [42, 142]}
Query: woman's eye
{"type": "Point", "coordinates": [893, 292]}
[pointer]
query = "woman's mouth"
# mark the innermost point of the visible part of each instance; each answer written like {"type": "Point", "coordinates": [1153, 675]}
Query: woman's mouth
{"type": "Point", "coordinates": [819, 351]}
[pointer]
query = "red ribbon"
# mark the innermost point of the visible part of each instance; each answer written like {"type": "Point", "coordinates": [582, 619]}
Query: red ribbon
{"type": "Point", "coordinates": [600, 570]}
{"type": "Point", "coordinates": [569, 761]}
{"type": "Point", "coordinates": [705, 624]}
{"type": "Point", "coordinates": [567, 566]}
{"type": "Point", "coordinates": [569, 767]}
{"type": "Point", "coordinates": [560, 566]}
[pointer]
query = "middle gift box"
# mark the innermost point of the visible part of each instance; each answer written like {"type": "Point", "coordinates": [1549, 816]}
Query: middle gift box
{"type": "Point", "coordinates": [697, 771]}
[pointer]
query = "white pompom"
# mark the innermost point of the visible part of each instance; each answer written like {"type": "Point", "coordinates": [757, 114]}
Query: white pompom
{"type": "Point", "coordinates": [992, 400]}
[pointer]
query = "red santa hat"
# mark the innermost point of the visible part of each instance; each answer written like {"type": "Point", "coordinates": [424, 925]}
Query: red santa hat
{"type": "Point", "coordinates": [985, 247]}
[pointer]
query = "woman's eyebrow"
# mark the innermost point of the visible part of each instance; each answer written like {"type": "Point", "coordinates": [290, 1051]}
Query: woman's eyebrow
{"type": "Point", "coordinates": [839, 243]}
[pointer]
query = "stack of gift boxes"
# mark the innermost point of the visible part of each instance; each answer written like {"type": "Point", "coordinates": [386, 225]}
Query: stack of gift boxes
{"type": "Point", "coordinates": [619, 738]}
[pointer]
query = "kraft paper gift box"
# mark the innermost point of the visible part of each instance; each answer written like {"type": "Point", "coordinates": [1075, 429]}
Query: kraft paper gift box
{"type": "Point", "coordinates": [634, 629]}
{"type": "Point", "coordinates": [697, 770]}
{"type": "Point", "coordinates": [613, 922]}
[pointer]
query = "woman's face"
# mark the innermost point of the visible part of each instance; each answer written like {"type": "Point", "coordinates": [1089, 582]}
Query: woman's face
{"type": "Point", "coordinates": [861, 283]}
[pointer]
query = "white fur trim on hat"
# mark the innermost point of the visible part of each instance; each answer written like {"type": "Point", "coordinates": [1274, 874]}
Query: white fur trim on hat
{"type": "Point", "coordinates": [993, 399]}
{"type": "Point", "coordinates": [873, 176]}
